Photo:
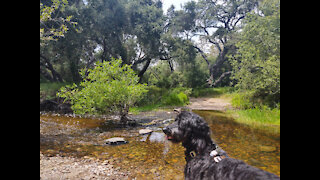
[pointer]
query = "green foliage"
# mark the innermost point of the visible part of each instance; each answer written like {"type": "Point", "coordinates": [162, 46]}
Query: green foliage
{"type": "Point", "coordinates": [262, 115]}
{"type": "Point", "coordinates": [175, 99]}
{"type": "Point", "coordinates": [242, 100]}
{"type": "Point", "coordinates": [190, 73]}
{"type": "Point", "coordinates": [108, 88]}
{"type": "Point", "coordinates": [49, 90]}
{"type": "Point", "coordinates": [163, 97]}
{"type": "Point", "coordinates": [161, 76]}
{"type": "Point", "coordinates": [211, 92]}
{"type": "Point", "coordinates": [146, 21]}
{"type": "Point", "coordinates": [256, 66]}
{"type": "Point", "coordinates": [164, 49]}
{"type": "Point", "coordinates": [49, 30]}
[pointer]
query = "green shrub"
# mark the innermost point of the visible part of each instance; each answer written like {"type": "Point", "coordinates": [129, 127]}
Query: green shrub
{"type": "Point", "coordinates": [108, 88]}
{"type": "Point", "coordinates": [174, 99]}
{"type": "Point", "coordinates": [162, 97]}
{"type": "Point", "coordinates": [241, 101]}
{"type": "Point", "coordinates": [252, 99]}
{"type": "Point", "coordinates": [171, 99]}
{"type": "Point", "coordinates": [152, 97]}
{"type": "Point", "coordinates": [183, 98]}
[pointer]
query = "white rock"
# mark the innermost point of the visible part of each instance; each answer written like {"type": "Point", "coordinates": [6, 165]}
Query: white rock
{"type": "Point", "coordinates": [145, 131]}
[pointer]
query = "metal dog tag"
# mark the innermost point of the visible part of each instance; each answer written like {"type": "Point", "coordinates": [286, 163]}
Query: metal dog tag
{"type": "Point", "coordinates": [213, 153]}
{"type": "Point", "coordinates": [217, 159]}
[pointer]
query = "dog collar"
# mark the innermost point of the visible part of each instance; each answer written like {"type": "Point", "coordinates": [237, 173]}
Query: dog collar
{"type": "Point", "coordinates": [216, 157]}
{"type": "Point", "coordinates": [193, 154]}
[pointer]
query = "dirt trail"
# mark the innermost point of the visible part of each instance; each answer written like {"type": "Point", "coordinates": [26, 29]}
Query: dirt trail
{"type": "Point", "coordinates": [217, 104]}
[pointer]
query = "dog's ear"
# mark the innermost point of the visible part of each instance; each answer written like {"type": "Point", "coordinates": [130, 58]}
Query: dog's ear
{"type": "Point", "coordinates": [177, 111]}
{"type": "Point", "coordinates": [200, 127]}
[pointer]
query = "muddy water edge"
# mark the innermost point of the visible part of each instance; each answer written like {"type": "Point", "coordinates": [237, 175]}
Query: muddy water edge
{"type": "Point", "coordinates": [152, 156]}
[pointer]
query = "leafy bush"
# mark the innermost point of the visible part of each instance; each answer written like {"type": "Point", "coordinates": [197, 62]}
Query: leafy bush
{"type": "Point", "coordinates": [241, 101]}
{"type": "Point", "coordinates": [108, 88]}
{"type": "Point", "coordinates": [152, 97]}
{"type": "Point", "coordinates": [252, 99]}
{"type": "Point", "coordinates": [175, 99]}
{"type": "Point", "coordinates": [159, 97]}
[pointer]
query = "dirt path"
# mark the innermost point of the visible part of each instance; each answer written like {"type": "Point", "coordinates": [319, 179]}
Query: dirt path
{"type": "Point", "coordinates": [217, 104]}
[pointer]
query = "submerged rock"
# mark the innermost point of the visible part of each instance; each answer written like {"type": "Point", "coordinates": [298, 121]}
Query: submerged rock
{"type": "Point", "coordinates": [116, 141]}
{"type": "Point", "coordinates": [144, 138]}
{"type": "Point", "coordinates": [157, 137]}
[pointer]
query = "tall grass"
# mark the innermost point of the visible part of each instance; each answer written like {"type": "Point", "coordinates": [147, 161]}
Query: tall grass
{"type": "Point", "coordinates": [259, 115]}
{"type": "Point", "coordinates": [254, 113]}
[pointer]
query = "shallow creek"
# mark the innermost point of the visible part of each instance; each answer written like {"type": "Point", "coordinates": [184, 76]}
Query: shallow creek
{"type": "Point", "coordinates": [152, 156]}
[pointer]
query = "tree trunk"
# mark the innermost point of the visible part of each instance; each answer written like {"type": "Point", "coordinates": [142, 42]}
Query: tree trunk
{"type": "Point", "coordinates": [55, 75]}
{"type": "Point", "coordinates": [124, 114]}
{"type": "Point", "coordinates": [46, 75]}
{"type": "Point", "coordinates": [124, 119]}
{"type": "Point", "coordinates": [146, 66]}
{"type": "Point", "coordinates": [215, 69]}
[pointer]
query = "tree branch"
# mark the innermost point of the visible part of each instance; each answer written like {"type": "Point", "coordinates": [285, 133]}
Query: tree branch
{"type": "Point", "coordinates": [223, 75]}
{"type": "Point", "coordinates": [202, 54]}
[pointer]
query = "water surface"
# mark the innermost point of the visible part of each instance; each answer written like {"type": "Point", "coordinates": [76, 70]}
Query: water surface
{"type": "Point", "coordinates": [259, 148]}
{"type": "Point", "coordinates": [151, 156]}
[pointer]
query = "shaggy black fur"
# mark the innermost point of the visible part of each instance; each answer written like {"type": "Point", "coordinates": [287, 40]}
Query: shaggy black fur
{"type": "Point", "coordinates": [194, 133]}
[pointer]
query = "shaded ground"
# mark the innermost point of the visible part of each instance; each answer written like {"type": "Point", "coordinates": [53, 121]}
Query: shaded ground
{"type": "Point", "coordinates": [216, 104]}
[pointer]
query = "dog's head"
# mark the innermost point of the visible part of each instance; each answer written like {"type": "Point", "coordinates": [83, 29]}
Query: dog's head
{"type": "Point", "coordinates": [187, 126]}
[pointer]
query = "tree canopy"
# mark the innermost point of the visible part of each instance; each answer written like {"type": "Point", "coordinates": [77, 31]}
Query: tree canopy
{"type": "Point", "coordinates": [208, 43]}
{"type": "Point", "coordinates": [52, 27]}
{"type": "Point", "coordinates": [256, 65]}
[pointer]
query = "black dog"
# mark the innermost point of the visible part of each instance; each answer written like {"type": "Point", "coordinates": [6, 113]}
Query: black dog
{"type": "Point", "coordinates": [204, 159]}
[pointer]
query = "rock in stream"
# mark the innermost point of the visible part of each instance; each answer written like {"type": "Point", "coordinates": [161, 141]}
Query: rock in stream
{"type": "Point", "coordinates": [116, 141]}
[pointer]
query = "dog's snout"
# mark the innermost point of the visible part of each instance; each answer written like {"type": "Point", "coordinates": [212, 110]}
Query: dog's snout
{"type": "Point", "coordinates": [165, 130]}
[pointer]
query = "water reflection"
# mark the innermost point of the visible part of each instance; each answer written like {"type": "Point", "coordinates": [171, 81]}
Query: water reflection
{"type": "Point", "coordinates": [259, 148]}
